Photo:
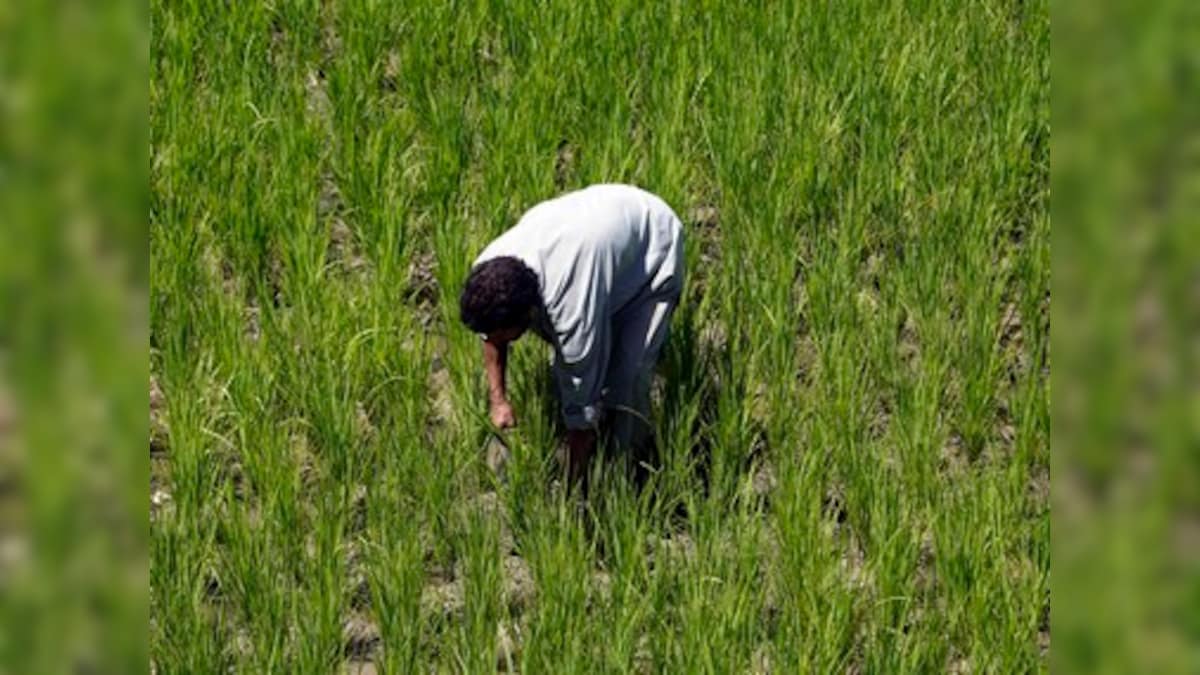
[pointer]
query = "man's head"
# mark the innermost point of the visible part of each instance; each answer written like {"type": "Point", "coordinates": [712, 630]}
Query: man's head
{"type": "Point", "coordinates": [499, 298]}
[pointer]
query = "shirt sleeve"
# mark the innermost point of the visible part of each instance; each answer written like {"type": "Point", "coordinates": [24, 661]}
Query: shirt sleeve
{"type": "Point", "coordinates": [579, 383]}
{"type": "Point", "coordinates": [582, 329]}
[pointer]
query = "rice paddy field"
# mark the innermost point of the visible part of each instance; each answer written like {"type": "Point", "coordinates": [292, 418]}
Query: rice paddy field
{"type": "Point", "coordinates": [852, 409]}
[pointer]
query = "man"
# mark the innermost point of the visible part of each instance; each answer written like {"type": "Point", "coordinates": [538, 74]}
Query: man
{"type": "Point", "coordinates": [596, 273]}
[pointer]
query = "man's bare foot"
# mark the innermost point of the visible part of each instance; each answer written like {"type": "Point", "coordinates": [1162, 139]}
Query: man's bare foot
{"type": "Point", "coordinates": [581, 445]}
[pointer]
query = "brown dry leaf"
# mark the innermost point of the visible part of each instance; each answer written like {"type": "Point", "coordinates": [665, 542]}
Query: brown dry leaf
{"type": "Point", "coordinates": [519, 587]}
{"type": "Point", "coordinates": [360, 637]}
{"type": "Point", "coordinates": [443, 404]}
{"type": "Point", "coordinates": [564, 163]}
{"type": "Point", "coordinates": [443, 597]}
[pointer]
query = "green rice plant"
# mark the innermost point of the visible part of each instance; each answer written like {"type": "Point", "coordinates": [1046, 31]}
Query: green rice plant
{"type": "Point", "coordinates": [851, 412]}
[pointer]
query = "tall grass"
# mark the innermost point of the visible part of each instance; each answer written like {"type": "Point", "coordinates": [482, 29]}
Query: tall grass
{"type": "Point", "coordinates": [853, 405]}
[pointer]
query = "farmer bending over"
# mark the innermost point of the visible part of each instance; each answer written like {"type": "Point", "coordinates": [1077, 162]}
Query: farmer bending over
{"type": "Point", "coordinates": [596, 273]}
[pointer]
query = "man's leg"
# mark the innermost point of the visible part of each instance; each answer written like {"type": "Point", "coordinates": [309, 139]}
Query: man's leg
{"type": "Point", "coordinates": [639, 332]}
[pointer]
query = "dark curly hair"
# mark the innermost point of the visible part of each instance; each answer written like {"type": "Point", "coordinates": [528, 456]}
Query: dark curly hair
{"type": "Point", "coordinates": [499, 294]}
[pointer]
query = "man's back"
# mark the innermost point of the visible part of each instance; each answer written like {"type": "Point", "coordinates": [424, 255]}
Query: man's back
{"type": "Point", "coordinates": [604, 243]}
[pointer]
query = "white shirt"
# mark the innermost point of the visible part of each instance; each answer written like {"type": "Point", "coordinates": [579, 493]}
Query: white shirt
{"type": "Point", "coordinates": [593, 250]}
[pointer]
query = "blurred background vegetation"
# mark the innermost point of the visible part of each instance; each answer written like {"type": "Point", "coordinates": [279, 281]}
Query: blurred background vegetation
{"type": "Point", "coordinates": [74, 195]}
{"type": "Point", "coordinates": [1126, 337]}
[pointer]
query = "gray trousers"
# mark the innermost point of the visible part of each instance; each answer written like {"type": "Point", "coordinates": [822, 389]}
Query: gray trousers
{"type": "Point", "coordinates": [639, 331]}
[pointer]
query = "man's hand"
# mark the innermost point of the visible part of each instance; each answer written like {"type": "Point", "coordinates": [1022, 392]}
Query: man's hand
{"type": "Point", "coordinates": [495, 358]}
{"type": "Point", "coordinates": [502, 415]}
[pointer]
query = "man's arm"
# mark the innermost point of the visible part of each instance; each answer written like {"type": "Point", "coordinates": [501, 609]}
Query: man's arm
{"type": "Point", "coordinates": [495, 361]}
